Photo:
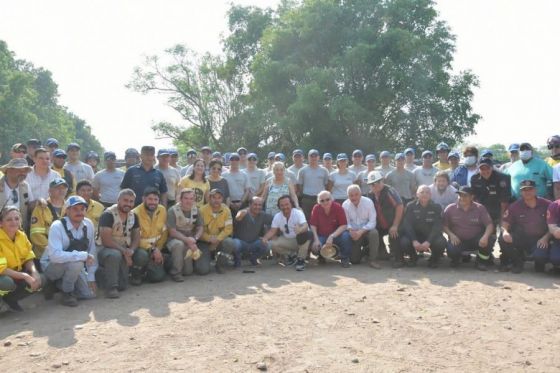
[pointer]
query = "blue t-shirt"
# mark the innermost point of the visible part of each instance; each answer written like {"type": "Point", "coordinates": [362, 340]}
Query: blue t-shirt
{"type": "Point", "coordinates": [536, 169]}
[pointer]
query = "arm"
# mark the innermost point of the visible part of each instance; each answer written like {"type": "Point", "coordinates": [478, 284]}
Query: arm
{"type": "Point", "coordinates": [55, 249]}
{"type": "Point", "coordinates": [393, 230]}
{"type": "Point", "coordinates": [556, 190]}
{"type": "Point", "coordinates": [270, 234]}
{"type": "Point", "coordinates": [163, 199]}
{"type": "Point", "coordinates": [38, 232]}
{"type": "Point", "coordinates": [107, 240]}
{"type": "Point", "coordinates": [293, 195]}
{"type": "Point", "coordinates": [228, 228]}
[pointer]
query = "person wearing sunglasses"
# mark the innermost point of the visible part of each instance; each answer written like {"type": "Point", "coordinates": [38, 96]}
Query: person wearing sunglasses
{"type": "Point", "coordinates": [553, 144]}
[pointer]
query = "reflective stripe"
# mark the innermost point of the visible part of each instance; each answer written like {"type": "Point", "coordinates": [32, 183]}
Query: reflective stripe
{"type": "Point", "coordinates": [3, 262]}
{"type": "Point", "coordinates": [4, 292]}
{"type": "Point", "coordinates": [481, 256]}
{"type": "Point", "coordinates": [38, 230]}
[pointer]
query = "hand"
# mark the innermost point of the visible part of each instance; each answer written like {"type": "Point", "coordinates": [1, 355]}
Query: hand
{"type": "Point", "coordinates": [455, 241]}
{"type": "Point", "coordinates": [483, 241]}
{"type": "Point", "coordinates": [241, 214]}
{"type": "Point", "coordinates": [330, 239]}
{"type": "Point", "coordinates": [30, 281]}
{"type": "Point", "coordinates": [425, 246]}
{"type": "Point", "coordinates": [190, 241]}
{"type": "Point", "coordinates": [416, 245]}
{"type": "Point", "coordinates": [542, 244]}
{"type": "Point", "coordinates": [214, 241]}
{"type": "Point", "coordinates": [37, 279]}
{"type": "Point", "coordinates": [128, 253]}
{"type": "Point", "coordinates": [556, 233]}
{"type": "Point", "coordinates": [90, 260]}
{"type": "Point", "coordinates": [264, 240]}
{"type": "Point", "coordinates": [393, 232]}
{"type": "Point", "coordinates": [93, 287]}
{"type": "Point", "coordinates": [316, 246]}
{"type": "Point", "coordinates": [507, 237]}
{"type": "Point", "coordinates": [355, 234]}
{"type": "Point", "coordinates": [157, 257]}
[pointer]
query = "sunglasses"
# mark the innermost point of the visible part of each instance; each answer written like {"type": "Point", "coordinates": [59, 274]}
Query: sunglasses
{"type": "Point", "coordinates": [324, 200]}
{"type": "Point", "coordinates": [15, 197]}
{"type": "Point", "coordinates": [286, 229]}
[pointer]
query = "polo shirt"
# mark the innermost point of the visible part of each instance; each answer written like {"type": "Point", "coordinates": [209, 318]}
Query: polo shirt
{"type": "Point", "coordinates": [535, 169]}
{"type": "Point", "coordinates": [526, 220]}
{"type": "Point", "coordinates": [313, 179]}
{"type": "Point", "coordinates": [492, 192]}
{"type": "Point", "coordinates": [326, 224]}
{"type": "Point", "coordinates": [466, 224]}
{"type": "Point", "coordinates": [138, 179]}
{"type": "Point", "coordinates": [553, 213]}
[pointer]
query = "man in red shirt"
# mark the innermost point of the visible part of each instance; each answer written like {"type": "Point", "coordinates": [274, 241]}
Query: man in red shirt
{"type": "Point", "coordinates": [328, 224]}
{"type": "Point", "coordinates": [551, 254]}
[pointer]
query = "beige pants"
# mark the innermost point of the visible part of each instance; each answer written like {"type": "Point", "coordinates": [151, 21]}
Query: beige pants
{"type": "Point", "coordinates": [289, 246]}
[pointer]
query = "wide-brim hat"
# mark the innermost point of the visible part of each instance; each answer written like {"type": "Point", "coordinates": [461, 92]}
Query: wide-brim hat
{"type": "Point", "coordinates": [17, 163]}
{"type": "Point", "coordinates": [329, 251]}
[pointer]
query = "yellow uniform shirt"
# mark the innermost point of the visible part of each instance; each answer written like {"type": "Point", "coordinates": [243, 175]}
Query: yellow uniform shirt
{"type": "Point", "coordinates": [153, 229]}
{"type": "Point", "coordinates": [442, 166]}
{"type": "Point", "coordinates": [94, 211]}
{"type": "Point", "coordinates": [218, 224]}
{"type": "Point", "coordinates": [41, 221]}
{"type": "Point", "coordinates": [200, 189]}
{"type": "Point", "coordinates": [14, 254]}
{"type": "Point", "coordinates": [552, 162]}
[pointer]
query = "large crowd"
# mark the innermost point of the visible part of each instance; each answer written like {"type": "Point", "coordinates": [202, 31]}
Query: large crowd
{"type": "Point", "coordinates": [68, 227]}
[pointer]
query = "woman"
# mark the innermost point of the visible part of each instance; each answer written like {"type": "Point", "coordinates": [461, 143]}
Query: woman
{"type": "Point", "coordinates": [196, 181]}
{"type": "Point", "coordinates": [217, 181]}
{"type": "Point", "coordinates": [277, 186]}
{"type": "Point", "coordinates": [341, 179]}
{"type": "Point", "coordinates": [18, 275]}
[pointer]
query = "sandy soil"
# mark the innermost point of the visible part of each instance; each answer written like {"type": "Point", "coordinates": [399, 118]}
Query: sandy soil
{"type": "Point", "coordinates": [326, 319]}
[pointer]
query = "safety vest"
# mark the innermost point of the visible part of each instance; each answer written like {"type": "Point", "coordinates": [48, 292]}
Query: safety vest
{"type": "Point", "coordinates": [23, 191]}
{"type": "Point", "coordinates": [41, 220]}
{"type": "Point", "coordinates": [121, 234]}
{"type": "Point", "coordinates": [153, 229]}
{"type": "Point", "coordinates": [183, 224]}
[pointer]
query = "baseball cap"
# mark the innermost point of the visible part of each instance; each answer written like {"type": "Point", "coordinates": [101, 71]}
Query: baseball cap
{"type": "Point", "coordinates": [216, 155]}
{"type": "Point", "coordinates": [297, 152]}
{"type": "Point", "coordinates": [485, 162]}
{"type": "Point", "coordinates": [327, 156]}
{"type": "Point", "coordinates": [454, 154]}
{"type": "Point", "coordinates": [59, 153]}
{"type": "Point", "coordinates": [280, 156]}
{"type": "Point", "coordinates": [271, 155]}
{"type": "Point", "coordinates": [442, 146]}
{"type": "Point", "coordinates": [109, 155]}
{"type": "Point", "coordinates": [163, 152]}
{"type": "Point", "coordinates": [91, 154]}
{"type": "Point", "coordinates": [252, 156]}
{"type": "Point", "coordinates": [19, 148]}
{"type": "Point", "coordinates": [51, 142]}
{"type": "Point", "coordinates": [234, 157]}
{"type": "Point", "coordinates": [73, 145]}
{"type": "Point", "coordinates": [399, 156]}
{"type": "Point", "coordinates": [191, 152]}
{"type": "Point", "coordinates": [34, 142]}
{"type": "Point", "coordinates": [341, 157]}
{"type": "Point", "coordinates": [525, 145]}
{"type": "Point", "coordinates": [384, 154]}
{"type": "Point", "coordinates": [513, 148]}
{"type": "Point", "coordinates": [312, 152]}
{"type": "Point", "coordinates": [409, 150]}
{"type": "Point", "coordinates": [206, 149]}
{"type": "Point", "coordinates": [357, 153]}
{"type": "Point", "coordinates": [526, 184]}
{"type": "Point", "coordinates": [57, 181]}
{"type": "Point", "coordinates": [173, 152]}
{"type": "Point", "coordinates": [465, 190]}
{"type": "Point", "coordinates": [426, 153]}
{"type": "Point", "coordinates": [75, 200]}
{"type": "Point", "coordinates": [373, 177]}
{"type": "Point", "coordinates": [131, 152]}
{"type": "Point", "coordinates": [216, 191]}
{"type": "Point", "coordinates": [486, 153]}
{"type": "Point", "coordinates": [370, 157]}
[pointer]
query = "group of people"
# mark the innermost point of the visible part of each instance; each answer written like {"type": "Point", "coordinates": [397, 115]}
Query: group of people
{"type": "Point", "coordinates": [67, 227]}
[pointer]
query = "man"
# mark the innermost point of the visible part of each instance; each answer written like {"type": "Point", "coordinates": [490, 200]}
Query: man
{"type": "Point", "coordinates": [107, 182]}
{"type": "Point", "coordinates": [173, 159]}
{"type": "Point", "coordinates": [144, 175]}
{"type": "Point", "coordinates": [389, 210]}
{"type": "Point", "coordinates": [442, 153]}
{"type": "Point", "coordinates": [312, 179]}
{"type": "Point", "coordinates": [92, 158]}
{"type": "Point", "coordinates": [32, 145]}
{"type": "Point", "coordinates": [328, 225]}
{"type": "Point", "coordinates": [206, 157]}
{"type": "Point", "coordinates": [556, 182]}
{"type": "Point", "coordinates": [442, 193]}
{"type": "Point", "coordinates": [297, 157]}
{"type": "Point", "coordinates": [530, 167]}
{"type": "Point", "coordinates": [58, 161]}
{"type": "Point", "coordinates": [552, 254]}
{"type": "Point", "coordinates": [385, 166]}
{"type": "Point", "coordinates": [409, 154]}
{"type": "Point", "coordinates": [41, 175]}
{"type": "Point", "coordinates": [469, 227]}
{"type": "Point", "coordinates": [362, 177]}
{"type": "Point", "coordinates": [18, 151]}
{"type": "Point", "coordinates": [453, 158]}
{"type": "Point", "coordinates": [293, 242]}
{"type": "Point", "coordinates": [328, 162]}
{"type": "Point", "coordinates": [79, 169]}
{"type": "Point", "coordinates": [402, 180]}
{"type": "Point", "coordinates": [553, 144]}
{"type": "Point", "coordinates": [84, 189]}
{"type": "Point", "coordinates": [70, 245]}
{"type": "Point", "coordinates": [421, 230]}
{"type": "Point", "coordinates": [147, 260]}
{"type": "Point", "coordinates": [131, 158]}
{"type": "Point", "coordinates": [250, 224]}
{"type": "Point", "coordinates": [269, 163]}
{"type": "Point", "coordinates": [463, 174]}
{"type": "Point", "coordinates": [361, 221]}
{"type": "Point", "coordinates": [492, 189]}
{"type": "Point", "coordinates": [14, 189]}
{"type": "Point", "coordinates": [513, 150]}
{"type": "Point", "coordinates": [524, 230]}
{"type": "Point", "coordinates": [424, 174]}
{"type": "Point", "coordinates": [357, 162]}
{"type": "Point", "coordinates": [52, 144]}
{"type": "Point", "coordinates": [242, 157]}
{"type": "Point", "coordinates": [238, 183]}
{"type": "Point", "coordinates": [119, 237]}
{"type": "Point", "coordinates": [218, 227]}
{"type": "Point", "coordinates": [45, 214]}
{"type": "Point", "coordinates": [172, 175]}
{"type": "Point", "coordinates": [185, 225]}
{"type": "Point", "coordinates": [256, 176]}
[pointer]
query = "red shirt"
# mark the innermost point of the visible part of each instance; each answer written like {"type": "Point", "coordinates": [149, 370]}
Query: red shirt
{"type": "Point", "coordinates": [326, 224]}
{"type": "Point", "coordinates": [553, 213]}
{"type": "Point", "coordinates": [526, 220]}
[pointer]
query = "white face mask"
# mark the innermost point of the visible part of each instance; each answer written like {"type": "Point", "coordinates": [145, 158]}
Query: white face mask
{"type": "Point", "coordinates": [525, 155]}
{"type": "Point", "coordinates": [470, 160]}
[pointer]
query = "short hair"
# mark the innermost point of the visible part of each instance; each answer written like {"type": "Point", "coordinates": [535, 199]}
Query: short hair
{"type": "Point", "coordinates": [83, 183]}
{"type": "Point", "coordinates": [443, 174]}
{"type": "Point", "coordinates": [277, 164]}
{"type": "Point", "coordinates": [284, 197]}
{"type": "Point", "coordinates": [323, 193]}
{"type": "Point", "coordinates": [214, 162]}
{"type": "Point", "coordinates": [353, 188]}
{"type": "Point", "coordinates": [39, 151]}
{"type": "Point", "coordinates": [185, 191]}
{"type": "Point", "coordinates": [127, 192]}
{"type": "Point", "coordinates": [150, 190]}
{"type": "Point", "coordinates": [471, 149]}
{"type": "Point", "coordinates": [6, 210]}
{"type": "Point", "coordinates": [423, 187]}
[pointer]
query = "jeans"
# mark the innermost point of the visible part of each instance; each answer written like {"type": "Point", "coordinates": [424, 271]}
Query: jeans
{"type": "Point", "coordinates": [255, 249]}
{"type": "Point", "coordinates": [552, 254]}
{"type": "Point", "coordinates": [344, 243]}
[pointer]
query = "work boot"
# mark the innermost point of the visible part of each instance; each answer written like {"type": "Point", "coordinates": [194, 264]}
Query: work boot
{"type": "Point", "coordinates": [112, 293]}
{"type": "Point", "coordinates": [300, 265]}
{"type": "Point", "coordinates": [345, 263]}
{"type": "Point", "coordinates": [12, 303]}
{"type": "Point", "coordinates": [49, 290]}
{"type": "Point", "coordinates": [69, 300]}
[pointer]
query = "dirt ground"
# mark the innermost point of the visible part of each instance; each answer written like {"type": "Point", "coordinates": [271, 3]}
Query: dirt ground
{"type": "Point", "coordinates": [325, 319]}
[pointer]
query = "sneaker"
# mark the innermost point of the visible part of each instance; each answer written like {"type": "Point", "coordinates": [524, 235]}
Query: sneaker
{"type": "Point", "coordinates": [69, 300]}
{"type": "Point", "coordinates": [300, 265]}
{"type": "Point", "coordinates": [345, 263]}
{"type": "Point", "coordinates": [291, 260]}
{"type": "Point", "coordinates": [13, 304]}
{"type": "Point", "coordinates": [49, 290]}
{"type": "Point", "coordinates": [136, 280]}
{"type": "Point", "coordinates": [374, 264]}
{"type": "Point", "coordinates": [112, 293]}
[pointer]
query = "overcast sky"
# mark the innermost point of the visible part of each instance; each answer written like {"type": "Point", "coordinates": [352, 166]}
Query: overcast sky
{"type": "Point", "coordinates": [92, 47]}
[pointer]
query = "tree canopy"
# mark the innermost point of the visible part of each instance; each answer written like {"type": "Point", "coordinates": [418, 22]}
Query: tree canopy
{"type": "Point", "coordinates": [29, 107]}
{"type": "Point", "coordinates": [328, 74]}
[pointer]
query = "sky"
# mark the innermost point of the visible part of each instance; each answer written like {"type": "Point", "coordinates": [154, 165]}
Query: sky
{"type": "Point", "coordinates": [92, 48]}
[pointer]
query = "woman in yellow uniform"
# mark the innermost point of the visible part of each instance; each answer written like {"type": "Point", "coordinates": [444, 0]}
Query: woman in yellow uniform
{"type": "Point", "coordinates": [198, 182]}
{"type": "Point", "coordinates": [18, 275]}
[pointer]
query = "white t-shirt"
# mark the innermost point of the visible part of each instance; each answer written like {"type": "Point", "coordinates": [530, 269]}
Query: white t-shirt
{"type": "Point", "coordinates": [109, 184]}
{"type": "Point", "coordinates": [296, 218]}
{"type": "Point", "coordinates": [9, 195]}
{"type": "Point", "coordinates": [556, 173]}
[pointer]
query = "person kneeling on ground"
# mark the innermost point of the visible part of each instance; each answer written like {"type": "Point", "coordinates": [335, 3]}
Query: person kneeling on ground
{"type": "Point", "coordinates": [295, 238]}
{"type": "Point", "coordinates": [185, 225]}
{"type": "Point", "coordinates": [248, 230]}
{"type": "Point", "coordinates": [71, 244]}
{"type": "Point", "coordinates": [421, 229]}
{"type": "Point", "coordinates": [119, 237]}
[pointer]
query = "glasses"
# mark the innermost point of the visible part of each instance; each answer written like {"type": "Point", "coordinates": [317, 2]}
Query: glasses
{"type": "Point", "coordinates": [286, 229]}
{"type": "Point", "coordinates": [324, 200]}
{"type": "Point", "coordinates": [15, 197]}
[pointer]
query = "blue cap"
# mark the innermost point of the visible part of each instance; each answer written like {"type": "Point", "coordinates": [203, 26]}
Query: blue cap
{"type": "Point", "coordinates": [216, 155]}
{"type": "Point", "coordinates": [162, 152]}
{"type": "Point", "coordinates": [426, 153]}
{"type": "Point", "coordinates": [409, 150]}
{"type": "Point", "coordinates": [191, 152]}
{"type": "Point", "coordinates": [92, 155]}
{"type": "Point", "coordinates": [58, 181]}
{"type": "Point", "coordinates": [252, 156]}
{"type": "Point", "coordinates": [341, 157]}
{"type": "Point", "coordinates": [399, 156]}
{"type": "Point", "coordinates": [280, 156]}
{"type": "Point", "coordinates": [454, 154]}
{"type": "Point", "coordinates": [271, 155]}
{"type": "Point", "coordinates": [384, 153]}
{"type": "Point", "coordinates": [513, 148]}
{"type": "Point", "coordinates": [297, 152]}
{"type": "Point", "coordinates": [173, 151]}
{"type": "Point", "coordinates": [370, 157]}
{"type": "Point", "coordinates": [327, 156]}
{"type": "Point", "coordinates": [109, 155]}
{"type": "Point", "coordinates": [59, 153]}
{"type": "Point", "coordinates": [312, 152]}
{"type": "Point", "coordinates": [485, 162]}
{"type": "Point", "coordinates": [357, 152]}
{"type": "Point", "coordinates": [442, 146]}
{"type": "Point", "coordinates": [73, 145]}
{"type": "Point", "coordinates": [486, 153]}
{"type": "Point", "coordinates": [234, 155]}
{"type": "Point", "coordinates": [51, 142]}
{"type": "Point", "coordinates": [131, 152]}
{"type": "Point", "coordinates": [75, 200]}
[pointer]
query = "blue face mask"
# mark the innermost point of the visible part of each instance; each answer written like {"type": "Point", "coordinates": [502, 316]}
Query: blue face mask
{"type": "Point", "coordinates": [525, 155]}
{"type": "Point", "coordinates": [470, 160]}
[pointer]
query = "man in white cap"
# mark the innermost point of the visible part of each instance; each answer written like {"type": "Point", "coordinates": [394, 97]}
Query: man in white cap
{"type": "Point", "coordinates": [14, 190]}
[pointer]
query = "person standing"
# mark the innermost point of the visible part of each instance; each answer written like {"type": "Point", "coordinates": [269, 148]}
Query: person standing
{"type": "Point", "coordinates": [425, 174]}
{"type": "Point", "coordinates": [341, 179]}
{"type": "Point", "coordinates": [402, 180]}
{"type": "Point", "coordinates": [78, 169]}
{"type": "Point", "coordinates": [312, 179]}
{"type": "Point", "coordinates": [106, 183]}
{"type": "Point", "coordinates": [172, 175]}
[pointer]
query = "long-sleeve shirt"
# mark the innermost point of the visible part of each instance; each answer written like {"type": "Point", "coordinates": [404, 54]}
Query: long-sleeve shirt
{"type": "Point", "coordinates": [219, 224]}
{"type": "Point", "coordinates": [424, 221]}
{"type": "Point", "coordinates": [59, 241]}
{"type": "Point", "coordinates": [362, 216]}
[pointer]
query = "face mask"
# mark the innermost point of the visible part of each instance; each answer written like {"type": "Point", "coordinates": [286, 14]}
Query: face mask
{"type": "Point", "coordinates": [525, 155]}
{"type": "Point", "coordinates": [470, 160]}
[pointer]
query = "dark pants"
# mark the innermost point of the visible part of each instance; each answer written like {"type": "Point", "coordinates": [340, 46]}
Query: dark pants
{"type": "Point", "coordinates": [143, 265]}
{"type": "Point", "coordinates": [437, 247]}
{"type": "Point", "coordinates": [307, 203]}
{"type": "Point", "coordinates": [552, 254]}
{"type": "Point", "coordinates": [367, 244]}
{"type": "Point", "coordinates": [393, 243]}
{"type": "Point", "coordinates": [15, 290]}
{"type": "Point", "coordinates": [113, 270]}
{"type": "Point", "coordinates": [484, 254]}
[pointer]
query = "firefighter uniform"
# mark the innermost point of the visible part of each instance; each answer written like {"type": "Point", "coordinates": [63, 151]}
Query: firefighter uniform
{"type": "Point", "coordinates": [153, 234]}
